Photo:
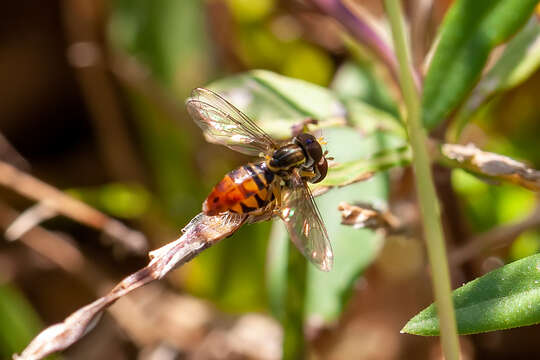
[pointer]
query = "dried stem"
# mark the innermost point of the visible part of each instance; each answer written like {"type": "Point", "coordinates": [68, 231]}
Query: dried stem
{"type": "Point", "coordinates": [202, 232]}
{"type": "Point", "coordinates": [47, 244]}
{"type": "Point", "coordinates": [490, 165]}
{"type": "Point", "coordinates": [57, 201]}
{"type": "Point", "coordinates": [27, 220]}
{"type": "Point", "coordinates": [496, 237]}
{"type": "Point", "coordinates": [132, 316]}
{"type": "Point", "coordinates": [86, 55]}
{"type": "Point", "coordinates": [365, 216]}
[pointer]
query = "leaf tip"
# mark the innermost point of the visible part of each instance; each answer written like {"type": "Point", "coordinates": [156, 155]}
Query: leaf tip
{"type": "Point", "coordinates": [407, 329]}
{"type": "Point", "coordinates": [422, 326]}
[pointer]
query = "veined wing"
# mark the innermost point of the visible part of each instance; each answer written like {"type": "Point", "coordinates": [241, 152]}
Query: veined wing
{"type": "Point", "coordinates": [224, 124]}
{"type": "Point", "coordinates": [303, 221]}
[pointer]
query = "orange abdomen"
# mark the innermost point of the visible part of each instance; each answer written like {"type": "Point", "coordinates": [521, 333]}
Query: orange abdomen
{"type": "Point", "coordinates": [242, 191]}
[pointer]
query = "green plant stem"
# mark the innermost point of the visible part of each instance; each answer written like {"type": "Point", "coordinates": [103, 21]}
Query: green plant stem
{"type": "Point", "coordinates": [286, 281]}
{"type": "Point", "coordinates": [276, 269]}
{"type": "Point", "coordinates": [293, 321]}
{"type": "Point", "coordinates": [425, 188]}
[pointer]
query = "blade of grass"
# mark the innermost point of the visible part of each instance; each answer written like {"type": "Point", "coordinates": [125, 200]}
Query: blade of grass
{"type": "Point", "coordinates": [425, 188]}
{"type": "Point", "coordinates": [286, 280]}
{"type": "Point", "coordinates": [276, 269]}
{"type": "Point", "coordinates": [294, 346]}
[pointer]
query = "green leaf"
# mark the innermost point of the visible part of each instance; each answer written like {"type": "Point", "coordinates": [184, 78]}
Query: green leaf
{"type": "Point", "coordinates": [471, 29]}
{"type": "Point", "coordinates": [369, 105]}
{"type": "Point", "coordinates": [519, 60]}
{"type": "Point", "coordinates": [355, 81]}
{"type": "Point", "coordinates": [19, 322]}
{"type": "Point", "coordinates": [277, 102]}
{"type": "Point", "coordinates": [368, 119]}
{"type": "Point", "coordinates": [169, 153]}
{"type": "Point", "coordinates": [505, 298]}
{"type": "Point", "coordinates": [357, 170]}
{"type": "Point", "coordinates": [276, 268]}
{"type": "Point", "coordinates": [231, 274]}
{"type": "Point", "coordinates": [167, 35]}
{"type": "Point", "coordinates": [354, 250]}
{"type": "Point", "coordinates": [293, 321]}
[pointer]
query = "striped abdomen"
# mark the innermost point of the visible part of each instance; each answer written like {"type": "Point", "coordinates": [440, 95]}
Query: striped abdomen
{"type": "Point", "coordinates": [242, 190]}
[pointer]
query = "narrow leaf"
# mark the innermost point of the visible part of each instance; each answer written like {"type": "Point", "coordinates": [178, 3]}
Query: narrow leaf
{"type": "Point", "coordinates": [505, 298]}
{"type": "Point", "coordinates": [470, 31]}
{"type": "Point", "coordinates": [519, 60]}
{"type": "Point", "coordinates": [276, 268]}
{"type": "Point", "coordinates": [354, 171]}
{"type": "Point", "coordinates": [19, 322]}
{"type": "Point", "coordinates": [168, 38]}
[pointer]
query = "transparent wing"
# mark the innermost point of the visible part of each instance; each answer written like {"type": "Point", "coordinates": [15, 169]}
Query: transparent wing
{"type": "Point", "coordinates": [304, 223]}
{"type": "Point", "coordinates": [224, 124]}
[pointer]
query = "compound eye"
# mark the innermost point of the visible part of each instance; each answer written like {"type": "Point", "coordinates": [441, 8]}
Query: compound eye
{"type": "Point", "coordinates": [311, 146]}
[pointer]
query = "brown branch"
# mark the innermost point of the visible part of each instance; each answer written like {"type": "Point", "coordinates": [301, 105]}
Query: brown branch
{"type": "Point", "coordinates": [364, 216]}
{"type": "Point", "coordinates": [202, 232]}
{"type": "Point", "coordinates": [35, 189]}
{"type": "Point", "coordinates": [186, 330]}
{"type": "Point", "coordinates": [83, 26]}
{"type": "Point", "coordinates": [28, 219]}
{"type": "Point", "coordinates": [496, 237]}
{"type": "Point", "coordinates": [489, 165]}
{"type": "Point", "coordinates": [49, 245]}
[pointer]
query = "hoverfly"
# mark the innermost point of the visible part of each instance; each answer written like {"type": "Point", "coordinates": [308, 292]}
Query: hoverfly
{"type": "Point", "coordinates": [274, 185]}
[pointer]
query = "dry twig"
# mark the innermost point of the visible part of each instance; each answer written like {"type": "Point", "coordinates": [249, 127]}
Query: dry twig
{"type": "Point", "coordinates": [86, 55]}
{"type": "Point", "coordinates": [489, 165]}
{"type": "Point", "coordinates": [29, 219]}
{"type": "Point", "coordinates": [202, 232]}
{"type": "Point", "coordinates": [496, 237]}
{"type": "Point", "coordinates": [179, 320]}
{"type": "Point", "coordinates": [53, 247]}
{"type": "Point", "coordinates": [60, 203]}
{"type": "Point", "coordinates": [364, 216]}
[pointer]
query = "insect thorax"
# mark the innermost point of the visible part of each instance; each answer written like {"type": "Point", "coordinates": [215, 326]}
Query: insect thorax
{"type": "Point", "coordinates": [286, 158]}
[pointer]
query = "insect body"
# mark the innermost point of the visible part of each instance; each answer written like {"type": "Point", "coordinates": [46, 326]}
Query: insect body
{"type": "Point", "coordinates": [244, 190]}
{"type": "Point", "coordinates": [276, 185]}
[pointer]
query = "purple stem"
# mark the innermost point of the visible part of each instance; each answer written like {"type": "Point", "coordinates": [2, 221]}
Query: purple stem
{"type": "Point", "coordinates": [364, 34]}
